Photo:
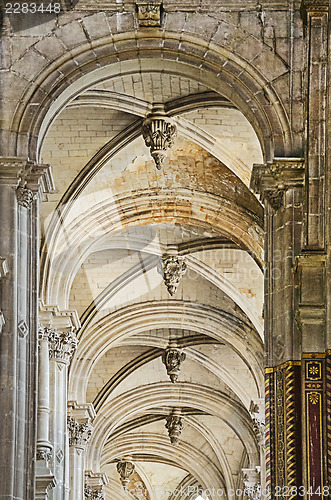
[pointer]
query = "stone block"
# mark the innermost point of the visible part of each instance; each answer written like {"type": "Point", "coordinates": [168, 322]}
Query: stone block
{"type": "Point", "coordinates": [71, 34]}
{"type": "Point", "coordinates": [30, 65]}
{"type": "Point", "coordinates": [97, 25]}
{"type": "Point", "coordinates": [201, 24]}
{"type": "Point", "coordinates": [50, 47]}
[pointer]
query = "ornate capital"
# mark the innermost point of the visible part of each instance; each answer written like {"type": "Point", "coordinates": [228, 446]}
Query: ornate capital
{"type": "Point", "coordinates": [173, 358]}
{"type": "Point", "coordinates": [125, 468]}
{"type": "Point", "coordinates": [93, 493]}
{"type": "Point", "coordinates": [30, 178]}
{"type": "Point", "coordinates": [173, 268]}
{"type": "Point", "coordinates": [159, 133]}
{"type": "Point", "coordinates": [25, 196]}
{"type": "Point", "coordinates": [271, 181]}
{"type": "Point", "coordinates": [149, 13]}
{"type": "Point", "coordinates": [174, 425]}
{"type": "Point", "coordinates": [79, 433]}
{"type": "Point", "coordinates": [62, 345]}
{"type": "Point", "coordinates": [252, 483]}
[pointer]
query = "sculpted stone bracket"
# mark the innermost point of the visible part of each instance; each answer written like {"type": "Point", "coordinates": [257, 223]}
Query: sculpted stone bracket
{"type": "Point", "coordinates": [159, 133]}
{"type": "Point", "coordinates": [173, 358]}
{"type": "Point", "coordinates": [271, 181]}
{"type": "Point", "coordinates": [125, 468]}
{"type": "Point", "coordinates": [172, 268]}
{"type": "Point", "coordinates": [174, 425]}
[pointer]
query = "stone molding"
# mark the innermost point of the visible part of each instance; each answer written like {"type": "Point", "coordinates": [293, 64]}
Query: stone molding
{"type": "Point", "coordinates": [30, 179]}
{"type": "Point", "coordinates": [316, 7]}
{"type": "Point", "coordinates": [272, 180]}
{"type": "Point", "coordinates": [96, 479]}
{"type": "Point", "coordinates": [81, 411]}
{"type": "Point", "coordinates": [79, 433]}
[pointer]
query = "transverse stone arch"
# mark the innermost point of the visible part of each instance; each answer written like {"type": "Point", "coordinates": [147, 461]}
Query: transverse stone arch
{"type": "Point", "coordinates": [223, 70]}
{"type": "Point", "coordinates": [157, 448]}
{"type": "Point", "coordinates": [124, 407]}
{"type": "Point", "coordinates": [199, 208]}
{"type": "Point", "coordinates": [179, 314]}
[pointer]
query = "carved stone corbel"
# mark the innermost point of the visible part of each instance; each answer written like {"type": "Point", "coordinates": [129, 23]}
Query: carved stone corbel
{"type": "Point", "coordinates": [174, 425]}
{"type": "Point", "coordinates": [159, 133]}
{"type": "Point", "coordinates": [125, 468]}
{"type": "Point", "coordinates": [172, 268]}
{"type": "Point", "coordinates": [173, 358]}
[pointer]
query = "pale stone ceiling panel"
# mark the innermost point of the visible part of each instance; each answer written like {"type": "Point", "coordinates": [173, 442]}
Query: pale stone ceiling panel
{"type": "Point", "coordinates": [231, 129]}
{"type": "Point", "coordinates": [153, 87]}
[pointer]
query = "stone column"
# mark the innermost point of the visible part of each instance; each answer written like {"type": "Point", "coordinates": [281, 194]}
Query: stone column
{"type": "Point", "coordinates": [62, 343]}
{"type": "Point", "coordinates": [252, 483]}
{"type": "Point", "coordinates": [22, 185]}
{"type": "Point", "coordinates": [80, 429]}
{"type": "Point", "coordinates": [281, 186]}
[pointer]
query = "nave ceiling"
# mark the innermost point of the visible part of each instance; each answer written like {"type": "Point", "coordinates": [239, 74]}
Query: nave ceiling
{"type": "Point", "coordinates": [104, 231]}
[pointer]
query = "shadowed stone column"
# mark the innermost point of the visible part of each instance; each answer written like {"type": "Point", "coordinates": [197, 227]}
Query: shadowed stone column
{"type": "Point", "coordinates": [80, 429]}
{"type": "Point", "coordinates": [22, 184]}
{"type": "Point", "coordinates": [281, 186]}
{"type": "Point", "coordinates": [62, 343]}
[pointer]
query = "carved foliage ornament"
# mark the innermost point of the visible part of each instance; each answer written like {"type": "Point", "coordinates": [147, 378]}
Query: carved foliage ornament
{"type": "Point", "coordinates": [174, 425]}
{"type": "Point", "coordinates": [173, 268]}
{"type": "Point", "coordinates": [173, 358]}
{"type": "Point", "coordinates": [93, 493]}
{"type": "Point", "coordinates": [62, 345]}
{"type": "Point", "coordinates": [43, 455]}
{"type": "Point", "coordinates": [79, 433]}
{"type": "Point", "coordinates": [25, 196]}
{"type": "Point", "coordinates": [125, 468]}
{"type": "Point", "coordinates": [159, 133]}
